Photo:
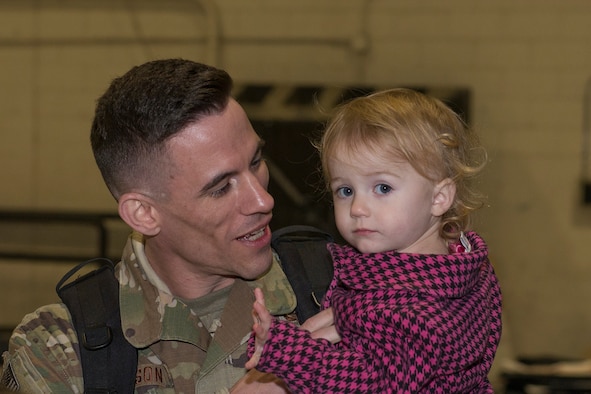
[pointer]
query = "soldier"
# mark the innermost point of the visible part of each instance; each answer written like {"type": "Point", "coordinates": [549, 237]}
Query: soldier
{"type": "Point", "coordinates": [185, 166]}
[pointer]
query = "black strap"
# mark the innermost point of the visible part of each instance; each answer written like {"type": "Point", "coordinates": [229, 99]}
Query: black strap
{"type": "Point", "coordinates": [109, 362]}
{"type": "Point", "coordinates": [306, 263]}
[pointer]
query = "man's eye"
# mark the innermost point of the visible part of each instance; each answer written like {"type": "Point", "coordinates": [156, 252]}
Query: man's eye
{"type": "Point", "coordinates": [256, 163]}
{"type": "Point", "coordinates": [221, 191]}
{"type": "Point", "coordinates": [344, 192]}
{"type": "Point", "coordinates": [383, 188]}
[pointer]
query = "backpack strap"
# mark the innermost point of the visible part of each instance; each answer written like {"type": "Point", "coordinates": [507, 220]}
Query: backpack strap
{"type": "Point", "coordinates": [109, 362]}
{"type": "Point", "coordinates": [306, 263]}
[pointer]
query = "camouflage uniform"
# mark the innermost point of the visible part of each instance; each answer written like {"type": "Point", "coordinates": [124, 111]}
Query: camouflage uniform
{"type": "Point", "coordinates": [176, 352]}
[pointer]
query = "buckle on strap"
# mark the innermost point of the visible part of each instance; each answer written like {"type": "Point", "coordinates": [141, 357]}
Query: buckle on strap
{"type": "Point", "coordinates": [96, 338]}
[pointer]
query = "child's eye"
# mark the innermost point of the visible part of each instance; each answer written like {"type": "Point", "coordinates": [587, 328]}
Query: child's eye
{"type": "Point", "coordinates": [344, 192]}
{"type": "Point", "coordinates": [382, 188]}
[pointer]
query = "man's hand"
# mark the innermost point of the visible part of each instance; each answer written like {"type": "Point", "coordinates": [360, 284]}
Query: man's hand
{"type": "Point", "coordinates": [321, 325]}
{"type": "Point", "coordinates": [262, 323]}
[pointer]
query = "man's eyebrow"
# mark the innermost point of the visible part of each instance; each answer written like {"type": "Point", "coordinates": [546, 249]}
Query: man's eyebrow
{"type": "Point", "coordinates": [260, 147]}
{"type": "Point", "coordinates": [220, 177]}
{"type": "Point", "coordinates": [259, 151]}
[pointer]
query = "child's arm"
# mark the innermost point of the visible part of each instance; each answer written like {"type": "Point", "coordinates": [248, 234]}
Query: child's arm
{"type": "Point", "coordinates": [320, 325]}
{"type": "Point", "coordinates": [262, 323]}
{"type": "Point", "coordinates": [308, 363]}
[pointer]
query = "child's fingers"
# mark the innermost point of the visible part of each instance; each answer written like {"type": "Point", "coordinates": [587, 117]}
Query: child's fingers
{"type": "Point", "coordinates": [253, 361]}
{"type": "Point", "coordinates": [259, 296]}
{"type": "Point", "coordinates": [262, 322]}
{"type": "Point", "coordinates": [260, 309]}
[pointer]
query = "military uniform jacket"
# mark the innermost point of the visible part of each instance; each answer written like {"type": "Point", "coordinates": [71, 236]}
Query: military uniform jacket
{"type": "Point", "coordinates": [176, 353]}
{"type": "Point", "coordinates": [410, 323]}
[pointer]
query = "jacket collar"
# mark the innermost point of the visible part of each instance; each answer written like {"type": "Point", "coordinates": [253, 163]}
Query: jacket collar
{"type": "Point", "coordinates": [444, 275]}
{"type": "Point", "coordinates": [150, 313]}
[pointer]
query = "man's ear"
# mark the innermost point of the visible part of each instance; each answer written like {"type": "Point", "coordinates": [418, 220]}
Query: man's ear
{"type": "Point", "coordinates": [444, 195]}
{"type": "Point", "coordinates": [139, 212]}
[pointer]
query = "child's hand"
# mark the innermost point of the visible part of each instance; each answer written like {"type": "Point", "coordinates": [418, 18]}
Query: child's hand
{"type": "Point", "coordinates": [262, 323]}
{"type": "Point", "coordinates": [321, 325]}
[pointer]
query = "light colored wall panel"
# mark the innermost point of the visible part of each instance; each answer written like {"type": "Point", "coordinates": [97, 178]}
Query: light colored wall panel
{"type": "Point", "coordinates": [18, 119]}
{"type": "Point", "coordinates": [39, 280]}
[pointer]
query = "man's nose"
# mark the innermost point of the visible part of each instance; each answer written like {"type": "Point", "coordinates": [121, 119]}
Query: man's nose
{"type": "Point", "coordinates": [258, 199]}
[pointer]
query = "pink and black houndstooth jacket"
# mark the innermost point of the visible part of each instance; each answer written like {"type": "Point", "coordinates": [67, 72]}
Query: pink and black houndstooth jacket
{"type": "Point", "coordinates": [410, 323]}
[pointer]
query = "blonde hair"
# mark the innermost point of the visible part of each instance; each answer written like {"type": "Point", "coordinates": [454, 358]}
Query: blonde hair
{"type": "Point", "coordinates": [419, 129]}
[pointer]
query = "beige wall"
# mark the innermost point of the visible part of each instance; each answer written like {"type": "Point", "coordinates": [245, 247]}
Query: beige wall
{"type": "Point", "coordinates": [526, 62]}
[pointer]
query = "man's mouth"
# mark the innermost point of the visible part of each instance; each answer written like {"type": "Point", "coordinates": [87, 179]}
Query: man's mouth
{"type": "Point", "coordinates": [254, 235]}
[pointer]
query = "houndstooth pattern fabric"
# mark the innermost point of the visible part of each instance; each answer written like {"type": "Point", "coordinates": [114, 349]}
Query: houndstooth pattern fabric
{"type": "Point", "coordinates": [410, 323]}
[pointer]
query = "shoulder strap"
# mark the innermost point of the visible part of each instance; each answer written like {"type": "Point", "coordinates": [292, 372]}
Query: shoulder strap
{"type": "Point", "coordinates": [306, 263]}
{"type": "Point", "coordinates": [109, 362]}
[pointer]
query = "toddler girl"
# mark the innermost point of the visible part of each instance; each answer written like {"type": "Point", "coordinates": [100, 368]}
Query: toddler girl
{"type": "Point", "coordinates": [414, 296]}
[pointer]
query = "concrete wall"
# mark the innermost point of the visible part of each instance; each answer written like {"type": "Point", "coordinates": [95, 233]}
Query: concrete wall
{"type": "Point", "coordinates": [526, 62]}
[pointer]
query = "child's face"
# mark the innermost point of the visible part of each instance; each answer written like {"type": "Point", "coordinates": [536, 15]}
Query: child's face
{"type": "Point", "coordinates": [383, 204]}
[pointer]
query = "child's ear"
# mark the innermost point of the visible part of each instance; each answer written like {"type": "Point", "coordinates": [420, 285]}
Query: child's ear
{"type": "Point", "coordinates": [139, 212]}
{"type": "Point", "coordinates": [444, 195]}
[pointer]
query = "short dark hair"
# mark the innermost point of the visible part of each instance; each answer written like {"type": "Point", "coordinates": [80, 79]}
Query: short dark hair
{"type": "Point", "coordinates": [145, 107]}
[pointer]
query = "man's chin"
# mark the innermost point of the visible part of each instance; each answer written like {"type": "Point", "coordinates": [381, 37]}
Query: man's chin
{"type": "Point", "coordinates": [261, 268]}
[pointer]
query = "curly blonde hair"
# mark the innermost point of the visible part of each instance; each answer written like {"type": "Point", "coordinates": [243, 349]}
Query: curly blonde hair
{"type": "Point", "coordinates": [416, 128]}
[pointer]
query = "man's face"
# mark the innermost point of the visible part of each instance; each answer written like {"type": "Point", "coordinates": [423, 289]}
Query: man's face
{"type": "Point", "coordinates": [215, 218]}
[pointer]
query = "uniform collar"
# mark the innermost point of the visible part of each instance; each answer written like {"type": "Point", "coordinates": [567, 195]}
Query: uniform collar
{"type": "Point", "coordinates": [150, 312]}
